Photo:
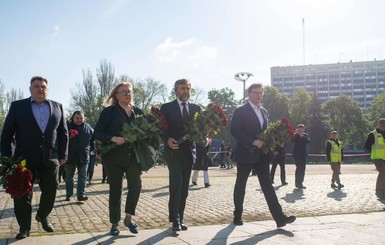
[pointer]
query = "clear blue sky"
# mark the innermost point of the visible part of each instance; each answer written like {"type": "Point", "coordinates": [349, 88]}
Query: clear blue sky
{"type": "Point", "coordinates": [207, 41]}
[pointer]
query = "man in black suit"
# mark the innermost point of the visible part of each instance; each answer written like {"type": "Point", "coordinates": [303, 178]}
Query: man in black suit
{"type": "Point", "coordinates": [247, 124]}
{"type": "Point", "coordinates": [41, 135]}
{"type": "Point", "coordinates": [179, 157]}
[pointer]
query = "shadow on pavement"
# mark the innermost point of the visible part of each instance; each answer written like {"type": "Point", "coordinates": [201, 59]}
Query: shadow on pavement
{"type": "Point", "coordinates": [222, 235]}
{"type": "Point", "coordinates": [6, 213]}
{"type": "Point", "coordinates": [296, 195]}
{"type": "Point", "coordinates": [337, 195]}
{"type": "Point", "coordinates": [264, 235]}
{"type": "Point", "coordinates": [110, 239]}
{"type": "Point", "coordinates": [157, 238]}
{"type": "Point", "coordinates": [155, 189]}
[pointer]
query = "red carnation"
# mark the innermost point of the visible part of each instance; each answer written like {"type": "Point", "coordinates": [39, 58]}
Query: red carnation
{"type": "Point", "coordinates": [73, 133]}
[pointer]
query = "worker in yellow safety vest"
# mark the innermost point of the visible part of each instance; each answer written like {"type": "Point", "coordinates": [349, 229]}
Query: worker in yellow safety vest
{"type": "Point", "coordinates": [376, 145]}
{"type": "Point", "coordinates": [335, 156]}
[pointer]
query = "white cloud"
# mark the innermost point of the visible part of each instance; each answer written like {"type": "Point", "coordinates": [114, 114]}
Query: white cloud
{"type": "Point", "coordinates": [185, 51]}
{"type": "Point", "coordinates": [56, 30]}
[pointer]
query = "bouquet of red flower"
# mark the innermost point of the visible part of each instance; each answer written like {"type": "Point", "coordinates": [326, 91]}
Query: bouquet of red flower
{"type": "Point", "coordinates": [276, 134]}
{"type": "Point", "coordinates": [143, 128]}
{"type": "Point", "coordinates": [15, 177]}
{"type": "Point", "coordinates": [211, 119]}
{"type": "Point", "coordinates": [73, 133]}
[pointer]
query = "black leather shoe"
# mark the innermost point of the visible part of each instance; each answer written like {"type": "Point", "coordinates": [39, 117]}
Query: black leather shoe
{"type": "Point", "coordinates": [285, 183]}
{"type": "Point", "coordinates": [83, 198]}
{"type": "Point", "coordinates": [175, 226]}
{"type": "Point", "coordinates": [194, 183]}
{"type": "Point", "coordinates": [44, 224]}
{"type": "Point", "coordinates": [114, 231]}
{"type": "Point", "coordinates": [183, 227]}
{"type": "Point", "coordinates": [300, 187]}
{"type": "Point", "coordinates": [22, 235]}
{"type": "Point", "coordinates": [286, 220]}
{"type": "Point", "coordinates": [237, 221]}
{"type": "Point", "coordinates": [340, 186]}
{"type": "Point", "coordinates": [333, 186]}
{"type": "Point", "coordinates": [207, 185]}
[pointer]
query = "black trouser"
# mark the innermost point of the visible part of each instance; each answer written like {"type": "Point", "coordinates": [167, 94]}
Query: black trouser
{"type": "Point", "coordinates": [262, 170]}
{"type": "Point", "coordinates": [48, 185]}
{"type": "Point", "coordinates": [179, 163]}
{"type": "Point", "coordinates": [281, 162]}
{"type": "Point", "coordinates": [116, 167]}
{"type": "Point", "coordinates": [300, 163]}
{"type": "Point", "coordinates": [104, 173]}
{"type": "Point", "coordinates": [91, 167]}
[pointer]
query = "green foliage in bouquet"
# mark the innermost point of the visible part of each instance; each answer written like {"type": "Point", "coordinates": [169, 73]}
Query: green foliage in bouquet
{"type": "Point", "coordinates": [211, 119]}
{"type": "Point", "coordinates": [276, 134]}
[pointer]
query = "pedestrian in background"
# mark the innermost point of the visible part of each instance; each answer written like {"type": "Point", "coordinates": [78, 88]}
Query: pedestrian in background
{"type": "Point", "coordinates": [301, 139]}
{"type": "Point", "coordinates": [230, 163]}
{"type": "Point", "coordinates": [80, 143]}
{"type": "Point", "coordinates": [202, 163]}
{"type": "Point", "coordinates": [279, 159]}
{"type": "Point", "coordinates": [119, 109]}
{"type": "Point", "coordinates": [375, 143]}
{"type": "Point", "coordinates": [91, 166]}
{"type": "Point", "coordinates": [222, 155]}
{"type": "Point", "coordinates": [335, 156]}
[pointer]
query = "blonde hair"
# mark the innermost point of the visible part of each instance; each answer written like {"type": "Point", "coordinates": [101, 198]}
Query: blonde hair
{"type": "Point", "coordinates": [111, 99]}
{"type": "Point", "coordinates": [381, 123]}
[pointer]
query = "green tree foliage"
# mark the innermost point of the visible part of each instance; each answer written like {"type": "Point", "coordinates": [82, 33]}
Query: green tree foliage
{"type": "Point", "coordinates": [148, 92]}
{"type": "Point", "coordinates": [6, 98]}
{"type": "Point", "coordinates": [87, 98]}
{"type": "Point", "coordinates": [224, 97]}
{"type": "Point", "coordinates": [90, 94]}
{"type": "Point", "coordinates": [276, 103]}
{"type": "Point", "coordinates": [299, 103]}
{"type": "Point", "coordinates": [376, 110]}
{"type": "Point", "coordinates": [316, 127]}
{"type": "Point", "coordinates": [344, 115]}
{"type": "Point", "coordinates": [197, 96]}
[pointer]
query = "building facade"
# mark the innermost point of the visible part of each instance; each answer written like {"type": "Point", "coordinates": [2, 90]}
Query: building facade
{"type": "Point", "coordinates": [361, 81]}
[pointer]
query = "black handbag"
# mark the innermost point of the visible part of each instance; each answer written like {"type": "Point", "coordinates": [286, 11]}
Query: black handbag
{"type": "Point", "coordinates": [145, 155]}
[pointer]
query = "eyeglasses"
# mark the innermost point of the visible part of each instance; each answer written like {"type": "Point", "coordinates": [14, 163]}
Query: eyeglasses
{"type": "Point", "coordinates": [124, 92]}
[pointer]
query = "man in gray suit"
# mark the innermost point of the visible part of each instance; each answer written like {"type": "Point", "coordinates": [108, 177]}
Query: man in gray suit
{"type": "Point", "coordinates": [247, 124]}
{"type": "Point", "coordinates": [41, 134]}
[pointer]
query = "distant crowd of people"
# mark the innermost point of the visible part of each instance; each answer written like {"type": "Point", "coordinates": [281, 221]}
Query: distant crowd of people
{"type": "Point", "coordinates": [35, 129]}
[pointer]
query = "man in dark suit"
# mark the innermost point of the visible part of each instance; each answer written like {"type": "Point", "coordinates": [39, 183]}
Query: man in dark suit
{"type": "Point", "coordinates": [247, 124]}
{"type": "Point", "coordinates": [179, 157]}
{"type": "Point", "coordinates": [41, 135]}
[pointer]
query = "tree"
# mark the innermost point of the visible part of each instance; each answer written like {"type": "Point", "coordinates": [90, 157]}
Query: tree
{"type": "Point", "coordinates": [316, 127]}
{"type": "Point", "coordinates": [299, 103]}
{"type": "Point", "coordinates": [6, 99]}
{"type": "Point", "coordinates": [224, 97]}
{"type": "Point", "coordinates": [87, 98]}
{"type": "Point", "coordinates": [376, 110]}
{"type": "Point", "coordinates": [90, 95]}
{"type": "Point", "coordinates": [276, 103]}
{"type": "Point", "coordinates": [148, 92]}
{"type": "Point", "coordinates": [197, 96]}
{"type": "Point", "coordinates": [343, 114]}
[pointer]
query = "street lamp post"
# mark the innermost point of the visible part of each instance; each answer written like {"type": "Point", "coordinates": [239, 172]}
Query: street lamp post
{"type": "Point", "coordinates": [243, 76]}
